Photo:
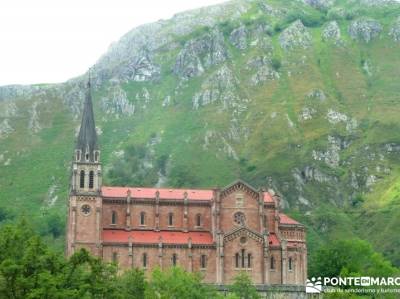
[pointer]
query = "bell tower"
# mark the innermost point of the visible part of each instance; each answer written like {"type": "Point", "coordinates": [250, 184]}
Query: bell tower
{"type": "Point", "coordinates": [85, 201]}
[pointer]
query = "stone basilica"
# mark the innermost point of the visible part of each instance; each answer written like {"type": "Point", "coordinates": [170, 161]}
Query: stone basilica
{"type": "Point", "coordinates": [217, 232]}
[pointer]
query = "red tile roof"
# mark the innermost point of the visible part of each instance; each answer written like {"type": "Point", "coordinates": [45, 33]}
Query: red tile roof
{"type": "Point", "coordinates": [192, 194]}
{"type": "Point", "coordinates": [273, 240]}
{"type": "Point", "coordinates": [284, 219]}
{"type": "Point", "coordinates": [268, 198]}
{"type": "Point", "coordinates": [152, 237]}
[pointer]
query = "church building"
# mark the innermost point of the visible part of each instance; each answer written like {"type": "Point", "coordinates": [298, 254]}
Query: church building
{"type": "Point", "coordinates": [218, 232]}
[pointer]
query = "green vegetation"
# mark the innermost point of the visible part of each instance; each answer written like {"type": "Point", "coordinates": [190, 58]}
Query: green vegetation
{"type": "Point", "coordinates": [29, 269]}
{"type": "Point", "coordinates": [268, 142]}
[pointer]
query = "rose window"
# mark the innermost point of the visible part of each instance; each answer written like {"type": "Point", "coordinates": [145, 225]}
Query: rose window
{"type": "Point", "coordinates": [239, 218]}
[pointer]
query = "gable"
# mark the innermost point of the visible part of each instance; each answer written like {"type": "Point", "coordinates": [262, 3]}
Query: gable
{"type": "Point", "coordinates": [243, 232]}
{"type": "Point", "coordinates": [240, 186]}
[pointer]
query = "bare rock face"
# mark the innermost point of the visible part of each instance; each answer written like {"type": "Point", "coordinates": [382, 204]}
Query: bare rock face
{"type": "Point", "coordinates": [9, 110]}
{"type": "Point", "coordinates": [365, 29]}
{"type": "Point", "coordinates": [34, 125]}
{"type": "Point", "coordinates": [307, 113]}
{"type": "Point", "coordinates": [295, 36]}
{"type": "Point", "coordinates": [331, 32]}
{"type": "Point", "coordinates": [5, 129]}
{"type": "Point", "coordinates": [320, 4]}
{"type": "Point", "coordinates": [199, 54]}
{"type": "Point", "coordinates": [264, 70]}
{"type": "Point", "coordinates": [238, 37]}
{"type": "Point", "coordinates": [394, 31]}
{"type": "Point", "coordinates": [140, 68]}
{"type": "Point", "coordinates": [220, 86]}
{"type": "Point", "coordinates": [117, 103]}
{"type": "Point", "coordinates": [317, 94]}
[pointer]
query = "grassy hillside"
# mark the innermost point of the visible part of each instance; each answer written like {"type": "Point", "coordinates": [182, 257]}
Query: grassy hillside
{"type": "Point", "coordinates": [309, 112]}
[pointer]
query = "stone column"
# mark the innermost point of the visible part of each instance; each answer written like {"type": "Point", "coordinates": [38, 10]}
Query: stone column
{"type": "Point", "coordinates": [130, 251]}
{"type": "Point", "coordinates": [266, 258]}
{"type": "Point", "coordinates": [190, 255]}
{"type": "Point", "coordinates": [185, 212]}
{"type": "Point", "coordinates": [220, 258]}
{"type": "Point", "coordinates": [74, 177]}
{"type": "Point", "coordinates": [284, 261]}
{"type": "Point", "coordinates": [128, 210]}
{"type": "Point", "coordinates": [160, 253]}
{"type": "Point", "coordinates": [213, 215]}
{"type": "Point", "coordinates": [73, 227]}
{"type": "Point", "coordinates": [157, 214]}
{"type": "Point", "coordinates": [261, 210]}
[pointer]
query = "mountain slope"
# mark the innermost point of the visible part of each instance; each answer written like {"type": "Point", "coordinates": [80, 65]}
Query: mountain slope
{"type": "Point", "coordinates": [301, 97]}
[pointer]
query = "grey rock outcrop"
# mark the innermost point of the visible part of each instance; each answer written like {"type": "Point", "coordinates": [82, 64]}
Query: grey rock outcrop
{"type": "Point", "coordinates": [295, 36]}
{"type": "Point", "coordinates": [320, 4]}
{"type": "Point", "coordinates": [331, 156]}
{"type": "Point", "coordinates": [264, 68]}
{"type": "Point", "coordinates": [317, 94]}
{"type": "Point", "coordinates": [220, 86]}
{"type": "Point", "coordinates": [34, 125]}
{"type": "Point", "coordinates": [264, 73]}
{"type": "Point", "coordinates": [117, 103]}
{"type": "Point", "coordinates": [199, 54]}
{"type": "Point", "coordinates": [5, 129]}
{"type": "Point", "coordinates": [140, 68]}
{"type": "Point", "coordinates": [365, 29]}
{"type": "Point", "coordinates": [238, 37]}
{"type": "Point", "coordinates": [307, 113]}
{"type": "Point", "coordinates": [9, 110]}
{"type": "Point", "coordinates": [394, 31]}
{"type": "Point", "coordinates": [335, 117]}
{"type": "Point", "coordinates": [331, 32]}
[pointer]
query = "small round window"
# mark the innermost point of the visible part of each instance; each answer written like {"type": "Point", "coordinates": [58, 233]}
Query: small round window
{"type": "Point", "coordinates": [85, 209]}
{"type": "Point", "coordinates": [239, 218]}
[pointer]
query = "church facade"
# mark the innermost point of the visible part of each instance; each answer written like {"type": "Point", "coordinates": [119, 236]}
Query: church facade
{"type": "Point", "coordinates": [218, 232]}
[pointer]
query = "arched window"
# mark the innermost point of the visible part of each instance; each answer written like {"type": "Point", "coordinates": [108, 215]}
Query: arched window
{"type": "Point", "coordinates": [78, 155]}
{"type": "Point", "coordinates": [203, 261]}
{"type": "Point", "coordinates": [142, 218]}
{"type": "Point", "coordinates": [243, 258]}
{"type": "Point", "coordinates": [198, 220]}
{"type": "Point", "coordinates": [290, 264]}
{"type": "Point", "coordinates": [82, 179]}
{"type": "Point", "coordinates": [113, 217]}
{"type": "Point", "coordinates": [96, 156]}
{"type": "Point", "coordinates": [237, 260]}
{"type": "Point", "coordinates": [91, 179]}
{"type": "Point", "coordinates": [249, 260]}
{"type": "Point", "coordinates": [174, 259]}
{"type": "Point", "coordinates": [170, 219]}
{"type": "Point", "coordinates": [144, 260]}
{"type": "Point", "coordinates": [272, 263]}
{"type": "Point", "coordinates": [87, 156]}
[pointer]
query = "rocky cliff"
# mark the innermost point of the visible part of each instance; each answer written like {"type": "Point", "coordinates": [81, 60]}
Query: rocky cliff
{"type": "Point", "coordinates": [299, 96]}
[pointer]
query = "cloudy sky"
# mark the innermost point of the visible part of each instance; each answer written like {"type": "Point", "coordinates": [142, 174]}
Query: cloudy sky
{"type": "Point", "coordinates": [45, 41]}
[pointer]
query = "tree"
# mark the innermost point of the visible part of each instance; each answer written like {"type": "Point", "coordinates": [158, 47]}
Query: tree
{"type": "Point", "coordinates": [350, 257]}
{"type": "Point", "coordinates": [243, 287]}
{"type": "Point", "coordinates": [132, 284]}
{"type": "Point", "coordinates": [177, 283]}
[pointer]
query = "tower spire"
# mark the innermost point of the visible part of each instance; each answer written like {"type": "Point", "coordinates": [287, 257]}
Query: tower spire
{"type": "Point", "coordinates": [87, 138]}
